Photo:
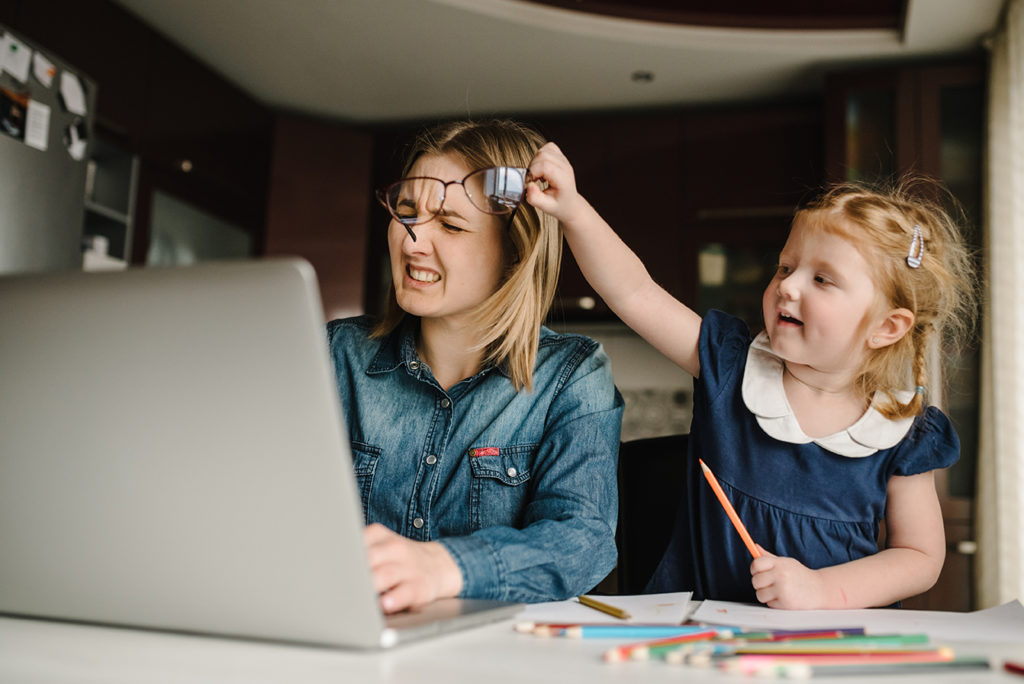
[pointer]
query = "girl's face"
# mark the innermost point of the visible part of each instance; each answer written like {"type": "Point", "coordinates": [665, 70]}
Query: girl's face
{"type": "Point", "coordinates": [818, 304]}
{"type": "Point", "coordinates": [458, 258]}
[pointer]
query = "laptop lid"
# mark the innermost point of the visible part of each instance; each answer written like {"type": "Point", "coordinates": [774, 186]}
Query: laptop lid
{"type": "Point", "coordinates": [172, 456]}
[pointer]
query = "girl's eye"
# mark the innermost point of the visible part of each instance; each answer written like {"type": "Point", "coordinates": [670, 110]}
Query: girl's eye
{"type": "Point", "coordinates": [783, 269]}
{"type": "Point", "coordinates": [822, 280]}
{"type": "Point", "coordinates": [452, 229]}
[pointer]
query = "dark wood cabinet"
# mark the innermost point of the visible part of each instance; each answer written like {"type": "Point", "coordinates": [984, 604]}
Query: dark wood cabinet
{"type": "Point", "coordinates": [676, 183]}
{"type": "Point", "coordinates": [928, 120]}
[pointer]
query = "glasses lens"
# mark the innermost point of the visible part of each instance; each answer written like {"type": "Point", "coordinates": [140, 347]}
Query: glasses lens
{"type": "Point", "coordinates": [414, 200]}
{"type": "Point", "coordinates": [497, 190]}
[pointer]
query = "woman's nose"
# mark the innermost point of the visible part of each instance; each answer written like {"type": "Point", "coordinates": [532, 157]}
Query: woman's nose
{"type": "Point", "coordinates": [418, 239]}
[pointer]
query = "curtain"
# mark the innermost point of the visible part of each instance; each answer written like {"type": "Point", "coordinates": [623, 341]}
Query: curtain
{"type": "Point", "coordinates": [1000, 496]}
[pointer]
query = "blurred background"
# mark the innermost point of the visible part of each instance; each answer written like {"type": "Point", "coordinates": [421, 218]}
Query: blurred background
{"type": "Point", "coordinates": [219, 129]}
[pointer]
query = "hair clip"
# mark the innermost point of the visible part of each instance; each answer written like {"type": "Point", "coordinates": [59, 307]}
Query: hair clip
{"type": "Point", "coordinates": [919, 389]}
{"type": "Point", "coordinates": [916, 245]}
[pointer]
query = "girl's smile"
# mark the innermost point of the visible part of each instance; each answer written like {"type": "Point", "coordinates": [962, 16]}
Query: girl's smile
{"type": "Point", "coordinates": [817, 304]}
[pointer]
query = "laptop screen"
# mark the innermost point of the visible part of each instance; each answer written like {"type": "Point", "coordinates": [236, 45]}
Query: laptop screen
{"type": "Point", "coordinates": [172, 455]}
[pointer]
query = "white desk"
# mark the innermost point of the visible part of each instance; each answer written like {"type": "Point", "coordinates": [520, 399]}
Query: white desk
{"type": "Point", "coordinates": [51, 652]}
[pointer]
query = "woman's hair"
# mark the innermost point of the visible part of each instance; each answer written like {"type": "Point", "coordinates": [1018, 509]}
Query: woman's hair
{"type": "Point", "coordinates": [510, 319]}
{"type": "Point", "coordinates": [940, 292]}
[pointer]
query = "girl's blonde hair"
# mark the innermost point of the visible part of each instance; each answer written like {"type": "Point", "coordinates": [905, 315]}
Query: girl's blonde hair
{"type": "Point", "coordinates": [510, 319]}
{"type": "Point", "coordinates": [940, 292]}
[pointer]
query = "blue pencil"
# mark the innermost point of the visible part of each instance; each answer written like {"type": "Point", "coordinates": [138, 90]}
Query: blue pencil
{"type": "Point", "coordinates": [628, 631]}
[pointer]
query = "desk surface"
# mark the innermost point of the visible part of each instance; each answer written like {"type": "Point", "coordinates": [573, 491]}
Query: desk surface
{"type": "Point", "coordinates": [43, 652]}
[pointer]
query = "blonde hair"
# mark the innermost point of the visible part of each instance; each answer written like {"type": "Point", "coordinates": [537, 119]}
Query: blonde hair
{"type": "Point", "coordinates": [940, 293]}
{"type": "Point", "coordinates": [511, 318]}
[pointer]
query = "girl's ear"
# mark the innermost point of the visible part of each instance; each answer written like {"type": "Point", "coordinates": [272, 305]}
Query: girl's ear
{"type": "Point", "coordinates": [894, 325]}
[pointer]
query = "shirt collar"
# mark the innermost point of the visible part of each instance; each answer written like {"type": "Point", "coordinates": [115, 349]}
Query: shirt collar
{"type": "Point", "coordinates": [398, 348]}
{"type": "Point", "coordinates": [764, 396]}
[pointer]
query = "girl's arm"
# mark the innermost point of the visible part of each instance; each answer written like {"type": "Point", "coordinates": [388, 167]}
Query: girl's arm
{"type": "Point", "coordinates": [908, 566]}
{"type": "Point", "coordinates": [611, 267]}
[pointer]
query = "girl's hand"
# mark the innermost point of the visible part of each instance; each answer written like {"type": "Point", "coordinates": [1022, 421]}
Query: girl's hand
{"type": "Point", "coordinates": [407, 573]}
{"type": "Point", "coordinates": [786, 583]}
{"type": "Point", "coordinates": [555, 192]}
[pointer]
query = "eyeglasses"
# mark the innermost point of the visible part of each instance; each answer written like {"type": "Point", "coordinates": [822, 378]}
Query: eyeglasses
{"type": "Point", "coordinates": [498, 191]}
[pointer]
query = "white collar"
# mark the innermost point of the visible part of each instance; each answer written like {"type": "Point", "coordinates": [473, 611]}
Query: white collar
{"type": "Point", "coordinates": [765, 397]}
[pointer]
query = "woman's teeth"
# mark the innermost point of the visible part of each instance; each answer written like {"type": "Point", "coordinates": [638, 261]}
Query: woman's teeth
{"type": "Point", "coordinates": [424, 276]}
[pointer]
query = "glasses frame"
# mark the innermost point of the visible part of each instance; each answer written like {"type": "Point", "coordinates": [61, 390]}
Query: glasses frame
{"type": "Point", "coordinates": [408, 223]}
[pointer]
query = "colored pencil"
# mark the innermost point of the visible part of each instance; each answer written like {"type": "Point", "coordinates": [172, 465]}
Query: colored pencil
{"type": "Point", "coordinates": [1015, 668]}
{"type": "Point", "coordinates": [805, 671]}
{"type": "Point", "coordinates": [751, 664]}
{"type": "Point", "coordinates": [627, 631]}
{"type": "Point", "coordinates": [642, 650]}
{"type": "Point", "coordinates": [604, 607]}
{"type": "Point", "coordinates": [729, 510]}
{"type": "Point", "coordinates": [792, 634]}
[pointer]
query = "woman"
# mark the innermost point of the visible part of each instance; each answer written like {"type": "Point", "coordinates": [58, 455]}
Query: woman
{"type": "Point", "coordinates": [485, 444]}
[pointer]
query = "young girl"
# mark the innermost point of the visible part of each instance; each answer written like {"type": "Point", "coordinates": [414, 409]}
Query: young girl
{"type": "Point", "coordinates": [819, 428]}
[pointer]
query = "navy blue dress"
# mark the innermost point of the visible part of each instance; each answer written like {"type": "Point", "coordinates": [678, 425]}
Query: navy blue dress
{"type": "Point", "coordinates": [796, 500]}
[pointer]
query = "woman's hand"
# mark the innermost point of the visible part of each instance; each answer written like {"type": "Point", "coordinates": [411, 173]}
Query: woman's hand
{"type": "Point", "coordinates": [407, 573]}
{"type": "Point", "coordinates": [555, 192]}
{"type": "Point", "coordinates": [787, 583]}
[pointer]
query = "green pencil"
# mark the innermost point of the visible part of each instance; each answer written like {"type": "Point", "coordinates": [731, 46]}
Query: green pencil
{"type": "Point", "coordinates": [805, 671]}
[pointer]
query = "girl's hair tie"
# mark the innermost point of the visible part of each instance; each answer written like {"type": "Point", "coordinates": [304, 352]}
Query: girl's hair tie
{"type": "Point", "coordinates": [916, 245]}
{"type": "Point", "coordinates": [919, 389]}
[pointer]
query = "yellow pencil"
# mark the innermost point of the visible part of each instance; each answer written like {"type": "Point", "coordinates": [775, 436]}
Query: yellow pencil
{"type": "Point", "coordinates": [729, 510]}
{"type": "Point", "coordinates": [604, 607]}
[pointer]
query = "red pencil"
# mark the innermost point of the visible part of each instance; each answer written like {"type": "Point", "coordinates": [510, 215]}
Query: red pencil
{"type": "Point", "coordinates": [1015, 668]}
{"type": "Point", "coordinates": [729, 510]}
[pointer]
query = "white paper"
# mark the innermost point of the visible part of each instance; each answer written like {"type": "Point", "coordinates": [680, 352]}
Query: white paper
{"type": "Point", "coordinates": [15, 58]}
{"type": "Point", "coordinates": [653, 609]}
{"type": "Point", "coordinates": [999, 624]}
{"type": "Point", "coordinates": [37, 125]}
{"type": "Point", "coordinates": [73, 93]}
{"type": "Point", "coordinates": [43, 69]}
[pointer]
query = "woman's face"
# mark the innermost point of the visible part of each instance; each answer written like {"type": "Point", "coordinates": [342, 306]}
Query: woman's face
{"type": "Point", "coordinates": [458, 258]}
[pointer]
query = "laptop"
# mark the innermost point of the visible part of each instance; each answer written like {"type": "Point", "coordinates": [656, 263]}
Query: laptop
{"type": "Point", "coordinates": [173, 457]}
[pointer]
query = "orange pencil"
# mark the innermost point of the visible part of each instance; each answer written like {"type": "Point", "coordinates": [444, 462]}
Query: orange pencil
{"type": "Point", "coordinates": [729, 510]}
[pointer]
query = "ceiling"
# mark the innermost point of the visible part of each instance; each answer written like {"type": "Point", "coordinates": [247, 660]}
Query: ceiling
{"type": "Point", "coordinates": [366, 61]}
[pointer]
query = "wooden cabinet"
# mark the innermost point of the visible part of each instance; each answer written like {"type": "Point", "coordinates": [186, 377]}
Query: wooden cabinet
{"type": "Point", "coordinates": [676, 184]}
{"type": "Point", "coordinates": [929, 120]}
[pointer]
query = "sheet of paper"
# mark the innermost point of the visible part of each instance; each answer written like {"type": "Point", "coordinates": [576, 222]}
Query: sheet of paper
{"type": "Point", "coordinates": [73, 93]}
{"type": "Point", "coordinates": [655, 609]}
{"type": "Point", "coordinates": [37, 125]}
{"type": "Point", "coordinates": [15, 57]}
{"type": "Point", "coordinates": [43, 69]}
{"type": "Point", "coordinates": [999, 624]}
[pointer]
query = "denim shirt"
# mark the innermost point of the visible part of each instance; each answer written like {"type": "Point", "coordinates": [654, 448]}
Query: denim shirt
{"type": "Point", "coordinates": [520, 487]}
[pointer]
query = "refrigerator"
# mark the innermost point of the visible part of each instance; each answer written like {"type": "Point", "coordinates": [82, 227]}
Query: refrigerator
{"type": "Point", "coordinates": [47, 109]}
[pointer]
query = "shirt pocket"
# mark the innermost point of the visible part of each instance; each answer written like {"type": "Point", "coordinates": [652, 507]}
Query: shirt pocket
{"type": "Point", "coordinates": [364, 464]}
{"type": "Point", "coordinates": [498, 487]}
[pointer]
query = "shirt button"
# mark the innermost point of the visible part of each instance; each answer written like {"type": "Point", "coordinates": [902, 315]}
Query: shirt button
{"type": "Point", "coordinates": [445, 403]}
{"type": "Point", "coordinates": [417, 523]}
{"type": "Point", "coordinates": [511, 472]}
{"type": "Point", "coordinates": [414, 365]}
{"type": "Point", "coordinates": [431, 459]}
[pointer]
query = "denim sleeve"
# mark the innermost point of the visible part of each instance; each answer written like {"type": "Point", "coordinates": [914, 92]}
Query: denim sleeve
{"type": "Point", "coordinates": [566, 544]}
